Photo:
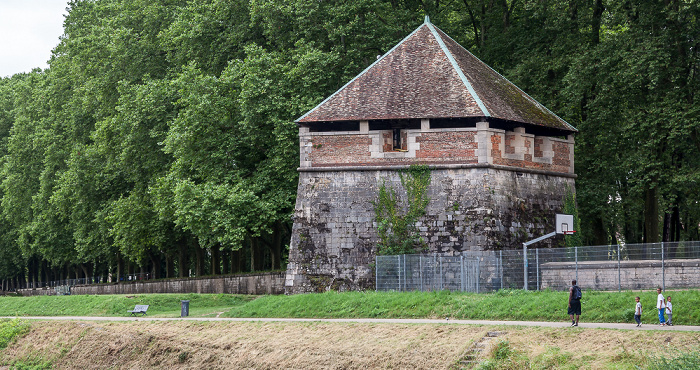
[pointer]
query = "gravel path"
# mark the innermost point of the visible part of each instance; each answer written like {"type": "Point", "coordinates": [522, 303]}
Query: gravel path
{"type": "Point", "coordinates": [582, 325]}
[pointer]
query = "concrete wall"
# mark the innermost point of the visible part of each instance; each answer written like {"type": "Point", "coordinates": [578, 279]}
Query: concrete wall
{"type": "Point", "coordinates": [265, 283]}
{"type": "Point", "coordinates": [472, 207]}
{"type": "Point", "coordinates": [603, 275]}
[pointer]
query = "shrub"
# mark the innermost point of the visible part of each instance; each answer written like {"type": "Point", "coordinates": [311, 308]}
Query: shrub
{"type": "Point", "coordinates": [11, 329]}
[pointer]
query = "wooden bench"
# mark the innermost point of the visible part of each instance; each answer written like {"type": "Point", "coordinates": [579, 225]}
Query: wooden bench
{"type": "Point", "coordinates": [139, 308]}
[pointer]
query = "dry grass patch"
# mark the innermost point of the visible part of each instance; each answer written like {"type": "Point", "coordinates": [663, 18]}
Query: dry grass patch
{"type": "Point", "coordinates": [303, 345]}
{"type": "Point", "coordinates": [219, 345]}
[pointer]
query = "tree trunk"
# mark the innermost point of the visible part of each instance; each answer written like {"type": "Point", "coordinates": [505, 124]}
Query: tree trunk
{"type": "Point", "coordinates": [215, 260]}
{"type": "Point", "coordinates": [651, 216]}
{"type": "Point", "coordinates": [225, 262]}
{"type": "Point", "coordinates": [199, 267]}
{"type": "Point", "coordinates": [156, 261]}
{"type": "Point", "coordinates": [169, 267]}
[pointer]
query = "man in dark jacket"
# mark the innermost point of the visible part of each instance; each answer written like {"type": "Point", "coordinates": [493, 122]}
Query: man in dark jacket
{"type": "Point", "coordinates": [574, 303]}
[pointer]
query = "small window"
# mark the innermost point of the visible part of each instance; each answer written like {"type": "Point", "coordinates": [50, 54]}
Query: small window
{"type": "Point", "coordinates": [397, 139]}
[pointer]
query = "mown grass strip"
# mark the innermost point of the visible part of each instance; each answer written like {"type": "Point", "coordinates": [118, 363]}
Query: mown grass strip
{"type": "Point", "coordinates": [114, 305]}
{"type": "Point", "coordinates": [502, 305]}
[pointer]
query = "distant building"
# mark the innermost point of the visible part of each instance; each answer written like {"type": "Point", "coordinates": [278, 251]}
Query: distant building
{"type": "Point", "coordinates": [500, 161]}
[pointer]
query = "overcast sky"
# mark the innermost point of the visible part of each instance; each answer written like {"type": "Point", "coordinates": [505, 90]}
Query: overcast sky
{"type": "Point", "coordinates": [29, 30]}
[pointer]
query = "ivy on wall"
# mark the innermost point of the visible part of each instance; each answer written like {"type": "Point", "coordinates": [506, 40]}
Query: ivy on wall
{"type": "Point", "coordinates": [396, 217]}
{"type": "Point", "coordinates": [571, 208]}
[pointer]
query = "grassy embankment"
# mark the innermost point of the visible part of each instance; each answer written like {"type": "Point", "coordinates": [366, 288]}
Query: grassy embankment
{"type": "Point", "coordinates": [46, 344]}
{"type": "Point", "coordinates": [502, 305]}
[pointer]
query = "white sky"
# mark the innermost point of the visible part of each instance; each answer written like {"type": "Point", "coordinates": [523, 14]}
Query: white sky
{"type": "Point", "coordinates": [29, 30]}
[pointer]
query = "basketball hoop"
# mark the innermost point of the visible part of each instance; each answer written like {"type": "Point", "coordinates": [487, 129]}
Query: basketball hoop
{"type": "Point", "coordinates": [564, 224]}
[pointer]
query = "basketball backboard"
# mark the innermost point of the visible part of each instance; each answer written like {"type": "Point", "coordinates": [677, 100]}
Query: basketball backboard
{"type": "Point", "coordinates": [565, 224]}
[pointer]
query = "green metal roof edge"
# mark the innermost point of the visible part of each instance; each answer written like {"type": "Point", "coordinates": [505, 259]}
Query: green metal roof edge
{"type": "Point", "coordinates": [459, 71]}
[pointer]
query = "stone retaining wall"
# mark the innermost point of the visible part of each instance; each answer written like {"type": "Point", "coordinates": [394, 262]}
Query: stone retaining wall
{"type": "Point", "coordinates": [603, 275]}
{"type": "Point", "coordinates": [255, 284]}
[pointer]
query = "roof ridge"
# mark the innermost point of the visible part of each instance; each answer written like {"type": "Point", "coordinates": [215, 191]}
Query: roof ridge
{"type": "Point", "coordinates": [459, 71]}
{"type": "Point", "coordinates": [500, 75]}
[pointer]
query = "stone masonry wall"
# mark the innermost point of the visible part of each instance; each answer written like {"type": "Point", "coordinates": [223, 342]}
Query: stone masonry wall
{"type": "Point", "coordinates": [604, 275]}
{"type": "Point", "coordinates": [257, 284]}
{"type": "Point", "coordinates": [472, 208]}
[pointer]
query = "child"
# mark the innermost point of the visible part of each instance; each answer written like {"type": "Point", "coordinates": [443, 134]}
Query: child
{"type": "Point", "coordinates": [661, 306]}
{"type": "Point", "coordinates": [638, 312]}
{"type": "Point", "coordinates": [669, 310]}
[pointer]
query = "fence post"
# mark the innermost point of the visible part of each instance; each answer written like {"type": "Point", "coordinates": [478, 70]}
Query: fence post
{"type": "Point", "coordinates": [442, 284]}
{"type": "Point", "coordinates": [525, 266]}
{"type": "Point", "coordinates": [398, 268]}
{"type": "Point", "coordinates": [500, 265]}
{"type": "Point", "coordinates": [461, 275]}
{"type": "Point", "coordinates": [376, 273]}
{"type": "Point", "coordinates": [619, 275]}
{"type": "Point", "coordinates": [663, 267]}
{"type": "Point", "coordinates": [576, 257]}
{"type": "Point", "coordinates": [404, 273]}
{"type": "Point", "coordinates": [420, 265]}
{"type": "Point", "coordinates": [537, 266]}
{"type": "Point", "coordinates": [478, 272]}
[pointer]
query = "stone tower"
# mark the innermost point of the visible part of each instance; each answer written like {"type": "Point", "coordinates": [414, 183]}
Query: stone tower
{"type": "Point", "coordinates": [500, 162]}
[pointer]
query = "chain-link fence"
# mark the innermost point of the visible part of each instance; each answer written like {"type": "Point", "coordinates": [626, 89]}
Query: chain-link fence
{"type": "Point", "coordinates": [608, 267]}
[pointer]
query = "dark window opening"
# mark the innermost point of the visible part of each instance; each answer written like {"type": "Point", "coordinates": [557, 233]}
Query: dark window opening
{"type": "Point", "coordinates": [465, 122]}
{"type": "Point", "coordinates": [390, 124]}
{"type": "Point", "coordinates": [334, 126]}
{"type": "Point", "coordinates": [397, 139]}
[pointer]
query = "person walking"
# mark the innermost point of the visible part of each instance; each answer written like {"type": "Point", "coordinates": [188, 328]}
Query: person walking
{"type": "Point", "coordinates": [661, 306]}
{"type": "Point", "coordinates": [574, 303]}
{"type": "Point", "coordinates": [669, 311]}
{"type": "Point", "coordinates": [638, 312]}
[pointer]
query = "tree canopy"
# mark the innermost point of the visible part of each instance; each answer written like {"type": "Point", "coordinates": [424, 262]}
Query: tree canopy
{"type": "Point", "coordinates": [161, 137]}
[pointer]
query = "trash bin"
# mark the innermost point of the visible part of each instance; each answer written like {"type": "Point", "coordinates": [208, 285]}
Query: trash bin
{"type": "Point", "coordinates": [184, 308]}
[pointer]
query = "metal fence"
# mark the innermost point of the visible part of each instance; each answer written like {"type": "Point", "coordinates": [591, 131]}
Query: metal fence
{"type": "Point", "coordinates": [608, 267]}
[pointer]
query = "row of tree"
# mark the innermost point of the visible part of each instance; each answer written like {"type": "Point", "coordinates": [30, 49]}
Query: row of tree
{"type": "Point", "coordinates": [161, 137]}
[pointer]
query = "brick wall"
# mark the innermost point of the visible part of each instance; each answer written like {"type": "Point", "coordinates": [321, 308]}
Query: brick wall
{"type": "Point", "coordinates": [437, 146]}
{"type": "Point", "coordinates": [340, 149]}
{"type": "Point", "coordinates": [455, 146]}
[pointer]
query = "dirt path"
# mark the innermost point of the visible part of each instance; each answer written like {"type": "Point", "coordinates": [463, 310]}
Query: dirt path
{"type": "Point", "coordinates": [582, 325]}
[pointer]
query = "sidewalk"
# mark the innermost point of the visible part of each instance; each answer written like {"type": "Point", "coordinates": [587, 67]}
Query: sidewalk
{"type": "Point", "coordinates": [566, 324]}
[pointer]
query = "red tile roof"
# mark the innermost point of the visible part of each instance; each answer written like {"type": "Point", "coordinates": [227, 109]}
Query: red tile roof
{"type": "Point", "coordinates": [429, 75]}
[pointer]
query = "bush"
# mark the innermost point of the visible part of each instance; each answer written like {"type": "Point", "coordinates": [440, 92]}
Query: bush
{"type": "Point", "coordinates": [683, 360]}
{"type": "Point", "coordinates": [11, 329]}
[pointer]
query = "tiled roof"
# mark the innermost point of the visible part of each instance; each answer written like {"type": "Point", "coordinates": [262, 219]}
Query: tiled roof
{"type": "Point", "coordinates": [429, 75]}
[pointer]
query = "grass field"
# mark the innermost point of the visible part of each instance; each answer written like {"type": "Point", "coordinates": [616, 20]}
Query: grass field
{"type": "Point", "coordinates": [178, 344]}
{"type": "Point", "coordinates": [502, 305]}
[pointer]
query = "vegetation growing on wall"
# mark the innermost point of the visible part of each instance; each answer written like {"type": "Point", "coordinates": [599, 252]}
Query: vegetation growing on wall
{"type": "Point", "coordinates": [396, 215]}
{"type": "Point", "coordinates": [571, 208]}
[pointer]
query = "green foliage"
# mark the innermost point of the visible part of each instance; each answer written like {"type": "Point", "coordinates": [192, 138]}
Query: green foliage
{"type": "Point", "coordinates": [675, 361]}
{"type": "Point", "coordinates": [164, 127]}
{"type": "Point", "coordinates": [396, 216]}
{"type": "Point", "coordinates": [11, 329]}
{"type": "Point", "coordinates": [501, 305]}
{"type": "Point", "coordinates": [571, 208]}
